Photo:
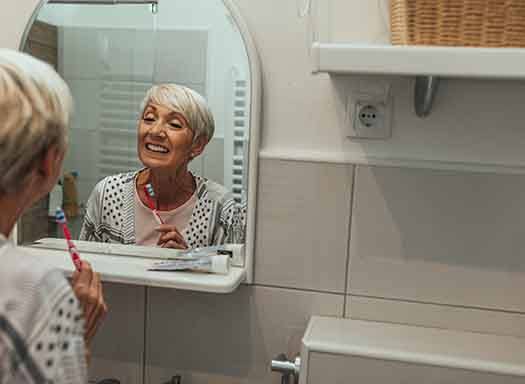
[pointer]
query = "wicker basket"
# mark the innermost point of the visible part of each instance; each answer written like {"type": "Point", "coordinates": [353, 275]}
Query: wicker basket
{"type": "Point", "coordinates": [474, 23]}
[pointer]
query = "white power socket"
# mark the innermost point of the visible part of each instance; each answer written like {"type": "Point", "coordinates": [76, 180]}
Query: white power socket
{"type": "Point", "coordinates": [369, 118]}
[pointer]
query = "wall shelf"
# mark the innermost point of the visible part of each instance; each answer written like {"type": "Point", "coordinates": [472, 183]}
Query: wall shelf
{"type": "Point", "coordinates": [495, 63]}
{"type": "Point", "coordinates": [427, 64]}
{"type": "Point", "coordinates": [133, 270]}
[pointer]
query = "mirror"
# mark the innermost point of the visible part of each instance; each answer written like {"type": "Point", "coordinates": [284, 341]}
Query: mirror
{"type": "Point", "coordinates": [111, 55]}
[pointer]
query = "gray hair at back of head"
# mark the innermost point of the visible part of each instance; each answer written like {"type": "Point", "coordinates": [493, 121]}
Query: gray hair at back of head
{"type": "Point", "coordinates": [36, 107]}
{"type": "Point", "coordinates": [185, 101]}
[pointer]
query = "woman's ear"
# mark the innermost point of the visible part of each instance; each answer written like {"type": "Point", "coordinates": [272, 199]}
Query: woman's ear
{"type": "Point", "coordinates": [198, 146]}
{"type": "Point", "coordinates": [50, 166]}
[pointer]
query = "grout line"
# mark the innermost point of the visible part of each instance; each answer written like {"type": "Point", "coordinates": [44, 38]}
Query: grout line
{"type": "Point", "coordinates": [349, 229]}
{"type": "Point", "coordinates": [457, 306]}
{"type": "Point", "coordinates": [297, 289]}
{"type": "Point", "coordinates": [145, 347]}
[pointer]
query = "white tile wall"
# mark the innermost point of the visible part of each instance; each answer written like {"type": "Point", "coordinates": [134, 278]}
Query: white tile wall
{"type": "Point", "coordinates": [213, 160]}
{"type": "Point", "coordinates": [118, 346]}
{"type": "Point", "coordinates": [228, 338]}
{"type": "Point", "coordinates": [439, 236]}
{"type": "Point", "coordinates": [299, 109]}
{"type": "Point", "coordinates": [303, 211]}
{"type": "Point", "coordinates": [175, 49]}
{"type": "Point", "coordinates": [86, 60]}
{"type": "Point", "coordinates": [436, 316]}
{"type": "Point", "coordinates": [448, 217]}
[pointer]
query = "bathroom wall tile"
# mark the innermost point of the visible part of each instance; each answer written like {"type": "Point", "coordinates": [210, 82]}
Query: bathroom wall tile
{"type": "Point", "coordinates": [143, 53]}
{"type": "Point", "coordinates": [84, 58]}
{"type": "Point", "coordinates": [211, 338]}
{"type": "Point", "coordinates": [213, 160]}
{"type": "Point", "coordinates": [436, 316]}
{"type": "Point", "coordinates": [183, 57]}
{"type": "Point", "coordinates": [210, 163]}
{"type": "Point", "coordinates": [454, 235]}
{"type": "Point", "coordinates": [119, 344]}
{"type": "Point", "coordinates": [86, 96]}
{"type": "Point", "coordinates": [303, 211]}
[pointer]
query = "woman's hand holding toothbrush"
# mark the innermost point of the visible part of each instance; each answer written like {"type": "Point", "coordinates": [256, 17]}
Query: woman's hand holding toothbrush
{"type": "Point", "coordinates": [170, 237]}
{"type": "Point", "coordinates": [88, 290]}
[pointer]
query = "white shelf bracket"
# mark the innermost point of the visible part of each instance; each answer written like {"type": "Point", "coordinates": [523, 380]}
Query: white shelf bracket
{"type": "Point", "coordinates": [425, 92]}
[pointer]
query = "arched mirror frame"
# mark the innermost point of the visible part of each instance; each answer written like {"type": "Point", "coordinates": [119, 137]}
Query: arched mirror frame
{"type": "Point", "coordinates": [255, 119]}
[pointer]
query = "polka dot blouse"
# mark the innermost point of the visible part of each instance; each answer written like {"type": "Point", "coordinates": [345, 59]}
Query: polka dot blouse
{"type": "Point", "coordinates": [110, 215]}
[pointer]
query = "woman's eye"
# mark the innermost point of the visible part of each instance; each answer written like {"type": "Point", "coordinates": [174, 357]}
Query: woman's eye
{"type": "Point", "coordinates": [149, 119]}
{"type": "Point", "coordinates": [175, 125]}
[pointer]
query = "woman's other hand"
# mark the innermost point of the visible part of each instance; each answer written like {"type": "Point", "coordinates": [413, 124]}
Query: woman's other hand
{"type": "Point", "coordinates": [88, 290]}
{"type": "Point", "coordinates": [170, 237]}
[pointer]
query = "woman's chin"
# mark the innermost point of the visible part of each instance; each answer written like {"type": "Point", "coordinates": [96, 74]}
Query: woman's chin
{"type": "Point", "coordinates": [154, 161]}
{"type": "Point", "coordinates": [159, 165]}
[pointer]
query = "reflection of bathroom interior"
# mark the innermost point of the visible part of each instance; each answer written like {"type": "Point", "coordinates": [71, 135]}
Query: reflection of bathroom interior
{"type": "Point", "coordinates": [109, 67]}
{"type": "Point", "coordinates": [389, 220]}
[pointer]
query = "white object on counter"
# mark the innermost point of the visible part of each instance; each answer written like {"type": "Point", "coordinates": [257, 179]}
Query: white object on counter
{"type": "Point", "coordinates": [56, 197]}
{"type": "Point", "coordinates": [219, 264]}
{"type": "Point", "coordinates": [236, 251]}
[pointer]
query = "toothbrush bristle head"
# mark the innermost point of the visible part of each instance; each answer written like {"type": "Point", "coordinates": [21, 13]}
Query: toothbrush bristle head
{"type": "Point", "coordinates": [150, 191]}
{"type": "Point", "coordinates": [60, 216]}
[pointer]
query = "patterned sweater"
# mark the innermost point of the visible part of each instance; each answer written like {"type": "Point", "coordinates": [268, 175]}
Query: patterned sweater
{"type": "Point", "coordinates": [110, 215]}
{"type": "Point", "coordinates": [41, 322]}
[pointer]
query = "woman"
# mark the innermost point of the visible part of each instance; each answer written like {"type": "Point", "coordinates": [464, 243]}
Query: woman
{"type": "Point", "coordinates": [44, 331]}
{"type": "Point", "coordinates": [175, 126]}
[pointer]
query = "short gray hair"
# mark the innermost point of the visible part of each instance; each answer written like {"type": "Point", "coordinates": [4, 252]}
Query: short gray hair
{"type": "Point", "coordinates": [185, 101]}
{"type": "Point", "coordinates": [36, 107]}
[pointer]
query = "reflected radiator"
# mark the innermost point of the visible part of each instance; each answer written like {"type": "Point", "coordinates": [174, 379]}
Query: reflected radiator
{"type": "Point", "coordinates": [240, 139]}
{"type": "Point", "coordinates": [119, 109]}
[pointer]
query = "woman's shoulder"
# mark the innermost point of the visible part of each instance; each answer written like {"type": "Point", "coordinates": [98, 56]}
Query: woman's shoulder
{"type": "Point", "coordinates": [119, 178]}
{"type": "Point", "coordinates": [23, 270]}
{"type": "Point", "coordinates": [115, 182]}
{"type": "Point", "coordinates": [27, 285]}
{"type": "Point", "coordinates": [211, 189]}
{"type": "Point", "coordinates": [40, 312]}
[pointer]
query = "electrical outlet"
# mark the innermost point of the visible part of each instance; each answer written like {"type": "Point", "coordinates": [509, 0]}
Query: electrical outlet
{"type": "Point", "coordinates": [371, 120]}
{"type": "Point", "coordinates": [369, 114]}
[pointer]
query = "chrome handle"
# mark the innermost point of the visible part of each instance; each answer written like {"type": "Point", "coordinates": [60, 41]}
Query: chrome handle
{"type": "Point", "coordinates": [287, 368]}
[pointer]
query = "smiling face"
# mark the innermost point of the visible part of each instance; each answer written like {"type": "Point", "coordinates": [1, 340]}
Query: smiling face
{"type": "Point", "coordinates": [165, 140]}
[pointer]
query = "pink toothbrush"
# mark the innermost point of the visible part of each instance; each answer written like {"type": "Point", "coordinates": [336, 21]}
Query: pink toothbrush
{"type": "Point", "coordinates": [150, 195]}
{"type": "Point", "coordinates": [75, 257]}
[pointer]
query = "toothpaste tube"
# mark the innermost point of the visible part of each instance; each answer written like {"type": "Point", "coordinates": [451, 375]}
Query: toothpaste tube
{"type": "Point", "coordinates": [233, 250]}
{"type": "Point", "coordinates": [216, 263]}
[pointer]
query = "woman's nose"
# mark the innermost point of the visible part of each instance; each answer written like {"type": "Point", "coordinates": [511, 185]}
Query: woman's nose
{"type": "Point", "coordinates": [157, 129]}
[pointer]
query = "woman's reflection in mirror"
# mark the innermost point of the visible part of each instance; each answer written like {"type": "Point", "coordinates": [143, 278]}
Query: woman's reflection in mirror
{"type": "Point", "coordinates": [184, 210]}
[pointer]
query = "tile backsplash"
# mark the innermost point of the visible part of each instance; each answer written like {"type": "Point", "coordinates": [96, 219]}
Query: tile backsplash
{"type": "Point", "coordinates": [302, 225]}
